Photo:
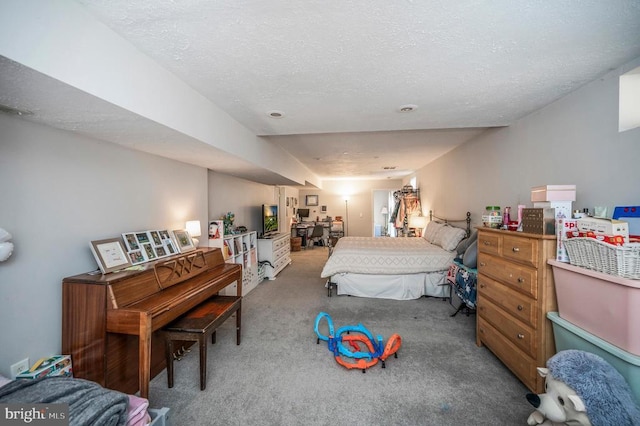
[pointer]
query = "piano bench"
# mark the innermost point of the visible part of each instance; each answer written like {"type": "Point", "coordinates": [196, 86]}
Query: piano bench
{"type": "Point", "coordinates": [197, 325]}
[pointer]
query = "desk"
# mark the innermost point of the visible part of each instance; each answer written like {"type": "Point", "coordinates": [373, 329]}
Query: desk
{"type": "Point", "coordinates": [302, 230]}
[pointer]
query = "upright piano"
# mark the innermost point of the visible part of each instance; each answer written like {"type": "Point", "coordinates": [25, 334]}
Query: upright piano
{"type": "Point", "coordinates": [111, 323]}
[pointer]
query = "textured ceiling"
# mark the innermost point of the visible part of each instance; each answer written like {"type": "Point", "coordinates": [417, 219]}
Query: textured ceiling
{"type": "Point", "coordinates": [340, 71]}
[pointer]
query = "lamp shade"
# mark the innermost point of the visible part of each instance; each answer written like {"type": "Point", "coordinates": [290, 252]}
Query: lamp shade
{"type": "Point", "coordinates": [193, 228]}
{"type": "Point", "coordinates": [419, 222]}
{"type": "Point", "coordinates": [384, 210]}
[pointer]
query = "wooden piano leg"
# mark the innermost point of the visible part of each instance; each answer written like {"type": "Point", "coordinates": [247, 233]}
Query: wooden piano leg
{"type": "Point", "coordinates": [202, 341]}
{"type": "Point", "coordinates": [168, 345]}
{"type": "Point", "coordinates": [238, 323]}
{"type": "Point", "coordinates": [144, 353]}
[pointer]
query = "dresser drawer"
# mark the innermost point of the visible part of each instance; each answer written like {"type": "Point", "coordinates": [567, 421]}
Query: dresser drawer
{"type": "Point", "coordinates": [518, 277]}
{"type": "Point", "coordinates": [281, 262]}
{"type": "Point", "coordinates": [520, 249]}
{"type": "Point", "coordinates": [281, 252]}
{"type": "Point", "coordinates": [523, 366]}
{"type": "Point", "coordinates": [516, 304]}
{"type": "Point", "coordinates": [279, 243]}
{"type": "Point", "coordinates": [488, 243]}
{"type": "Point", "coordinates": [519, 334]}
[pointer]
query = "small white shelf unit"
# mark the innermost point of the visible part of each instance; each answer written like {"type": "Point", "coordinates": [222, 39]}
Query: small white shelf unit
{"type": "Point", "coordinates": [243, 250]}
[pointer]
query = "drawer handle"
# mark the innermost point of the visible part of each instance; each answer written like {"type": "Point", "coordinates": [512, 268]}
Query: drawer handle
{"type": "Point", "coordinates": [520, 336]}
{"type": "Point", "coordinates": [520, 307]}
{"type": "Point", "coordinates": [482, 286]}
{"type": "Point", "coordinates": [520, 280]}
{"type": "Point", "coordinates": [483, 264]}
{"type": "Point", "coordinates": [515, 249]}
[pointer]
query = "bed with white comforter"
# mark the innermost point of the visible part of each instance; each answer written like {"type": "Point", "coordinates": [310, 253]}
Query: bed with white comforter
{"type": "Point", "coordinates": [395, 268]}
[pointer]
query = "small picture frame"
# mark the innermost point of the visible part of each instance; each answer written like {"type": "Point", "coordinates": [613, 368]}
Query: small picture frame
{"type": "Point", "coordinates": [183, 240]}
{"type": "Point", "coordinates": [216, 229]}
{"type": "Point", "coordinates": [323, 209]}
{"type": "Point", "coordinates": [311, 200]}
{"type": "Point", "coordinates": [110, 255]}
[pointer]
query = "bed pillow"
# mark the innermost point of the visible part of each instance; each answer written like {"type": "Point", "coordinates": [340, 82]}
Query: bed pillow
{"type": "Point", "coordinates": [449, 237]}
{"type": "Point", "coordinates": [432, 230]}
{"type": "Point", "coordinates": [470, 258]}
{"type": "Point", "coordinates": [465, 243]}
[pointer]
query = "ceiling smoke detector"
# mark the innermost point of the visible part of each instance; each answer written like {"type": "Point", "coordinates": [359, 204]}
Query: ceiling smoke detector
{"type": "Point", "coordinates": [275, 114]}
{"type": "Point", "coordinates": [408, 108]}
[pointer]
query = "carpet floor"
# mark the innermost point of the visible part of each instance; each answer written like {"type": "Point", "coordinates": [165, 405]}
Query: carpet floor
{"type": "Point", "coordinates": [279, 375]}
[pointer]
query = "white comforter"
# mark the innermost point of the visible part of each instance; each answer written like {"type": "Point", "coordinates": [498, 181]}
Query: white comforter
{"type": "Point", "coordinates": [381, 255]}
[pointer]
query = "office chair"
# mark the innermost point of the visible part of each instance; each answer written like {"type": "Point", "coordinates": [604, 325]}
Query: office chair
{"type": "Point", "coordinates": [316, 234]}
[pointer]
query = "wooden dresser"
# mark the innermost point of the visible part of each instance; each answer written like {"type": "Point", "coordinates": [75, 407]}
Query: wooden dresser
{"type": "Point", "coordinates": [515, 292]}
{"type": "Point", "coordinates": [275, 250]}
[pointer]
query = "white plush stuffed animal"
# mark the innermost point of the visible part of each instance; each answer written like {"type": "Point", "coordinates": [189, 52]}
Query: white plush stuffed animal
{"type": "Point", "coordinates": [560, 405]}
{"type": "Point", "coordinates": [583, 389]}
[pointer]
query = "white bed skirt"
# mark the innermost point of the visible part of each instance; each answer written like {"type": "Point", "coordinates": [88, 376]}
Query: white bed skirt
{"type": "Point", "coordinates": [398, 287]}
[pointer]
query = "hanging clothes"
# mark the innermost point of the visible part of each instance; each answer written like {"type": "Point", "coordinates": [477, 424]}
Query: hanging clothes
{"type": "Point", "coordinates": [407, 203]}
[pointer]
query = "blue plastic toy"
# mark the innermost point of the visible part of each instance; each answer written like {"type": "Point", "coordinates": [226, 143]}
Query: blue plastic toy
{"type": "Point", "coordinates": [364, 351]}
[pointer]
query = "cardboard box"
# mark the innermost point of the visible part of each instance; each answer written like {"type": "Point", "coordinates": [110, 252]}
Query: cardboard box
{"type": "Point", "coordinates": [538, 221]}
{"type": "Point", "coordinates": [564, 226]}
{"type": "Point", "coordinates": [631, 215]}
{"type": "Point", "coordinates": [553, 193]}
{"type": "Point", "coordinates": [604, 226]}
{"type": "Point", "coordinates": [56, 365]}
{"type": "Point", "coordinates": [562, 208]}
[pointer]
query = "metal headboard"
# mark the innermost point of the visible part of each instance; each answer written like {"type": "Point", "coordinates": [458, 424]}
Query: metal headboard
{"type": "Point", "coordinates": [445, 220]}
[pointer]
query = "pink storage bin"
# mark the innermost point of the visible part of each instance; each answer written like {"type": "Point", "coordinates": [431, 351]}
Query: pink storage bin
{"type": "Point", "coordinates": [608, 306]}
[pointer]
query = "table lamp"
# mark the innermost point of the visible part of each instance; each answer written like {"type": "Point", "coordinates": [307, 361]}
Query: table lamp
{"type": "Point", "coordinates": [419, 223]}
{"type": "Point", "coordinates": [193, 228]}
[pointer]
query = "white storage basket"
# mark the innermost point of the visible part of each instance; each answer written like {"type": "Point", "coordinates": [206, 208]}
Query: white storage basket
{"type": "Point", "coordinates": [597, 255]}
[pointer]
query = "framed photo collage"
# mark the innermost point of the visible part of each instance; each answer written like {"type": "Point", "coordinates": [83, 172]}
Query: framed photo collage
{"type": "Point", "coordinates": [143, 246]}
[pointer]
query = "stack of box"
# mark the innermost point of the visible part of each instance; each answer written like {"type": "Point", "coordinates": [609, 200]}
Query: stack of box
{"type": "Point", "coordinates": [598, 313]}
{"type": "Point", "coordinates": [608, 229]}
{"type": "Point", "coordinates": [559, 198]}
{"type": "Point", "coordinates": [56, 365]}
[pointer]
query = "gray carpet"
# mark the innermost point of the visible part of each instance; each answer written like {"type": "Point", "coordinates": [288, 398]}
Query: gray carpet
{"type": "Point", "coordinates": [280, 376]}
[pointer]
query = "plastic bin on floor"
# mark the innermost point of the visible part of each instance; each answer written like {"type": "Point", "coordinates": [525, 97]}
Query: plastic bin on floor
{"type": "Point", "coordinates": [602, 304]}
{"type": "Point", "coordinates": [570, 336]}
{"type": "Point", "coordinates": [159, 416]}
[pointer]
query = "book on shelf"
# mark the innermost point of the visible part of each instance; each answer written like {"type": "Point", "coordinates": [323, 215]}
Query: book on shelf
{"type": "Point", "coordinates": [226, 250]}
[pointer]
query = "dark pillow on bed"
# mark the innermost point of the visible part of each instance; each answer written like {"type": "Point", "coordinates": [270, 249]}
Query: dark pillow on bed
{"type": "Point", "coordinates": [464, 244]}
{"type": "Point", "coordinates": [470, 258]}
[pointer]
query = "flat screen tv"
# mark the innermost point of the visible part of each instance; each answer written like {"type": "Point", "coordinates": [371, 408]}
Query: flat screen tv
{"type": "Point", "coordinates": [303, 213]}
{"type": "Point", "coordinates": [269, 219]}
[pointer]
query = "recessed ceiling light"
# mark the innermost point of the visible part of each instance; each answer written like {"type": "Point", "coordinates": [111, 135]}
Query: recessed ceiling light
{"type": "Point", "coordinates": [275, 114]}
{"type": "Point", "coordinates": [408, 108]}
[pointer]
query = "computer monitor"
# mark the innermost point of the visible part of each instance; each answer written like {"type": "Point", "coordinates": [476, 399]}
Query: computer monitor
{"type": "Point", "coordinates": [303, 213]}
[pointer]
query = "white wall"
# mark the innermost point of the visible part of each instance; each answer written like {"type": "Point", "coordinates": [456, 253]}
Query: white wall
{"type": "Point", "coordinates": [360, 202]}
{"type": "Point", "coordinates": [241, 197]}
{"type": "Point", "coordinates": [58, 192]}
{"type": "Point", "coordinates": [574, 140]}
